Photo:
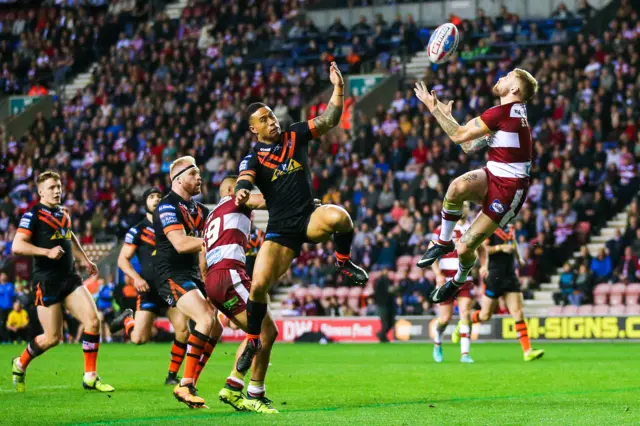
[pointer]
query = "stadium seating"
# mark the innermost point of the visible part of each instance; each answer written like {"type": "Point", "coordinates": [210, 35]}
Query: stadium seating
{"type": "Point", "coordinates": [632, 294]}
{"type": "Point", "coordinates": [601, 294]}
{"type": "Point", "coordinates": [616, 294]}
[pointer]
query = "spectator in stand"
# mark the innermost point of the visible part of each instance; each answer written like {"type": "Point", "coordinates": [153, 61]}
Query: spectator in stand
{"type": "Point", "coordinates": [7, 293]}
{"type": "Point", "coordinates": [584, 285]}
{"type": "Point", "coordinates": [18, 324]}
{"type": "Point", "coordinates": [601, 266]}
{"type": "Point", "coordinates": [626, 271]}
{"type": "Point", "coordinates": [384, 292]}
{"type": "Point", "coordinates": [567, 286]}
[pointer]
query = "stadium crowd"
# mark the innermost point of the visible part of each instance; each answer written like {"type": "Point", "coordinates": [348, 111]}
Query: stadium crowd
{"type": "Point", "coordinates": [176, 88]}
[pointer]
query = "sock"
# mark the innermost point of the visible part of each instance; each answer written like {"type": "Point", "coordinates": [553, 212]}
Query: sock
{"type": "Point", "coordinates": [523, 335]}
{"type": "Point", "coordinates": [129, 323]}
{"type": "Point", "coordinates": [204, 358]}
{"type": "Point", "coordinates": [30, 352]}
{"type": "Point", "coordinates": [465, 337]}
{"type": "Point", "coordinates": [235, 381]}
{"type": "Point", "coordinates": [195, 347]}
{"type": "Point", "coordinates": [256, 388]}
{"type": "Point", "coordinates": [463, 271]}
{"type": "Point", "coordinates": [437, 339]}
{"type": "Point", "coordinates": [90, 346]}
{"type": "Point", "coordinates": [475, 317]}
{"type": "Point", "coordinates": [177, 355]}
{"type": "Point", "coordinates": [256, 312]}
{"type": "Point", "coordinates": [343, 242]}
{"type": "Point", "coordinates": [451, 214]}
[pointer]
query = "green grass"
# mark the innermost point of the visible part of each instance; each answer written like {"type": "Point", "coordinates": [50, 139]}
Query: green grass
{"type": "Point", "coordinates": [343, 384]}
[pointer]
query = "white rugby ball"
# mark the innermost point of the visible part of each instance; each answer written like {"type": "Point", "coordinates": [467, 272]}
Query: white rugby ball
{"type": "Point", "coordinates": [443, 42]}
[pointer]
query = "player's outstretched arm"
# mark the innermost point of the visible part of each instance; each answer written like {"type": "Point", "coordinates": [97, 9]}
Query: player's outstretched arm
{"type": "Point", "coordinates": [473, 131]}
{"type": "Point", "coordinates": [22, 246]}
{"type": "Point", "coordinates": [183, 243]}
{"type": "Point", "coordinates": [331, 116]}
{"type": "Point", "coordinates": [81, 256]}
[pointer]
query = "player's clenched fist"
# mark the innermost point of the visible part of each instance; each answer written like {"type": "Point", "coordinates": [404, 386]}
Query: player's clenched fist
{"type": "Point", "coordinates": [242, 196]}
{"type": "Point", "coordinates": [55, 253]}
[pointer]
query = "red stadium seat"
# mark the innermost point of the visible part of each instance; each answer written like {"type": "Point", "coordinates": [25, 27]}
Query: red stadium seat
{"type": "Point", "coordinates": [601, 310]}
{"type": "Point", "coordinates": [404, 261]}
{"type": "Point", "coordinates": [556, 310]}
{"type": "Point", "coordinates": [373, 276]}
{"type": "Point", "coordinates": [393, 276]}
{"type": "Point", "coordinates": [585, 310]}
{"type": "Point", "coordinates": [328, 292]}
{"type": "Point", "coordinates": [617, 310]}
{"type": "Point", "coordinates": [300, 293]}
{"type": "Point", "coordinates": [355, 292]}
{"type": "Point", "coordinates": [632, 310]}
{"type": "Point", "coordinates": [616, 294]}
{"type": "Point", "coordinates": [342, 292]}
{"type": "Point", "coordinates": [570, 310]}
{"type": "Point", "coordinates": [415, 260]}
{"type": "Point", "coordinates": [315, 291]}
{"type": "Point", "coordinates": [368, 291]}
{"type": "Point", "coordinates": [430, 275]}
{"type": "Point", "coordinates": [632, 294]}
{"type": "Point", "coordinates": [601, 294]}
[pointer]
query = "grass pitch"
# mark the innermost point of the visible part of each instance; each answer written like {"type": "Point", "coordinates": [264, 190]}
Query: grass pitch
{"type": "Point", "coordinates": [396, 384]}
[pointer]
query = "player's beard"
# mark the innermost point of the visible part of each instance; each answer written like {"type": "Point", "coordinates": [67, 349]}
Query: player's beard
{"type": "Point", "coordinates": [497, 92]}
{"type": "Point", "coordinates": [193, 189]}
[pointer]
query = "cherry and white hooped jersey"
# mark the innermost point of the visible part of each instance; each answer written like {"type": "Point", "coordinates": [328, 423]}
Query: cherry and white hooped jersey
{"type": "Point", "coordinates": [226, 233]}
{"type": "Point", "coordinates": [449, 262]}
{"type": "Point", "coordinates": [510, 147]}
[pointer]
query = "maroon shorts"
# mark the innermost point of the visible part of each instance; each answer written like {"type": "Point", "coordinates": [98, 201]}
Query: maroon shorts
{"type": "Point", "coordinates": [505, 197]}
{"type": "Point", "coordinates": [465, 291]}
{"type": "Point", "coordinates": [228, 290]}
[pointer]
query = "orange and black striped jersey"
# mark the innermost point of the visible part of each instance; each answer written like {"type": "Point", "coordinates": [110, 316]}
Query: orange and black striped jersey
{"type": "Point", "coordinates": [142, 236]}
{"type": "Point", "coordinates": [502, 261]}
{"type": "Point", "coordinates": [281, 171]}
{"type": "Point", "coordinates": [176, 213]}
{"type": "Point", "coordinates": [256, 238]}
{"type": "Point", "coordinates": [48, 228]}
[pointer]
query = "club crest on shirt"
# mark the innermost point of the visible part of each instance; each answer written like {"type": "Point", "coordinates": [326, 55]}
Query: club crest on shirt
{"type": "Point", "coordinates": [497, 207]}
{"type": "Point", "coordinates": [289, 167]}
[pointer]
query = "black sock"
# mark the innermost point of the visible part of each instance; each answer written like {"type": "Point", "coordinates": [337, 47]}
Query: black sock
{"type": "Point", "coordinates": [256, 312]}
{"type": "Point", "coordinates": [343, 242]}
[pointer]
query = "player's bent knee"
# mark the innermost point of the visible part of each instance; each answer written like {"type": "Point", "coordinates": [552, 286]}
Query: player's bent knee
{"type": "Point", "coordinates": [517, 314]}
{"type": "Point", "coordinates": [50, 341]}
{"type": "Point", "coordinates": [181, 335]}
{"type": "Point", "coordinates": [92, 324]}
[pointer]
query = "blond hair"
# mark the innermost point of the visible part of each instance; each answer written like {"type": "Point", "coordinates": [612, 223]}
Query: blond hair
{"type": "Point", "coordinates": [49, 174]}
{"type": "Point", "coordinates": [187, 160]}
{"type": "Point", "coordinates": [528, 84]}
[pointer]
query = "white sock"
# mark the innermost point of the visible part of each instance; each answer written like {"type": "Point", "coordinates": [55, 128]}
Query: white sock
{"type": "Point", "coordinates": [465, 338]}
{"type": "Point", "coordinates": [254, 390]}
{"type": "Point", "coordinates": [463, 271]}
{"type": "Point", "coordinates": [449, 220]}
{"type": "Point", "coordinates": [437, 339]}
{"type": "Point", "coordinates": [19, 365]}
{"type": "Point", "coordinates": [90, 375]}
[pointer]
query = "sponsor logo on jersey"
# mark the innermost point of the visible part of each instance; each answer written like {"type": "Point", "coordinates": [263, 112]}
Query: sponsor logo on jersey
{"type": "Point", "coordinates": [128, 239]}
{"type": "Point", "coordinates": [289, 167]}
{"type": "Point", "coordinates": [28, 214]}
{"type": "Point", "coordinates": [231, 303]}
{"type": "Point", "coordinates": [168, 219]}
{"type": "Point", "coordinates": [61, 234]}
{"type": "Point", "coordinates": [497, 207]}
{"type": "Point", "coordinates": [24, 223]}
{"type": "Point", "coordinates": [166, 207]}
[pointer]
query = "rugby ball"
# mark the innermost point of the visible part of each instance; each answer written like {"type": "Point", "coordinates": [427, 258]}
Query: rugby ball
{"type": "Point", "coordinates": [443, 42]}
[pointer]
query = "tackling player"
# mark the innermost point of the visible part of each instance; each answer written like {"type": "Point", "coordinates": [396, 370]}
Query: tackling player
{"type": "Point", "coordinates": [446, 268]}
{"type": "Point", "coordinates": [497, 269]}
{"type": "Point", "coordinates": [179, 222]}
{"type": "Point", "coordinates": [45, 233]}
{"type": "Point", "coordinates": [278, 165]}
{"type": "Point", "coordinates": [141, 241]}
{"type": "Point", "coordinates": [228, 286]}
{"type": "Point", "coordinates": [501, 187]}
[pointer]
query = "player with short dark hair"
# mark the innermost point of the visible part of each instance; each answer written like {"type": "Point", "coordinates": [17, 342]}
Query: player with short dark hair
{"type": "Point", "coordinates": [179, 223]}
{"type": "Point", "coordinates": [278, 165]}
{"type": "Point", "coordinates": [45, 233]}
{"type": "Point", "coordinates": [141, 241]}
{"type": "Point", "coordinates": [497, 269]}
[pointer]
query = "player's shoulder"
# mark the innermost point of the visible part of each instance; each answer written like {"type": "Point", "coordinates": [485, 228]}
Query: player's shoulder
{"type": "Point", "coordinates": [167, 204]}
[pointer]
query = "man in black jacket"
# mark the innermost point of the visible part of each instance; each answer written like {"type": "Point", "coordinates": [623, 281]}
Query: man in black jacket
{"type": "Point", "coordinates": [384, 294]}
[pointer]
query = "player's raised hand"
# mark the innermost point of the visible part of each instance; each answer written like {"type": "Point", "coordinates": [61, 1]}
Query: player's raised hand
{"type": "Point", "coordinates": [242, 196]}
{"type": "Point", "coordinates": [141, 285]}
{"type": "Point", "coordinates": [428, 98]}
{"type": "Point", "coordinates": [55, 253]}
{"type": "Point", "coordinates": [445, 108]}
{"type": "Point", "coordinates": [335, 75]}
{"type": "Point", "coordinates": [91, 268]}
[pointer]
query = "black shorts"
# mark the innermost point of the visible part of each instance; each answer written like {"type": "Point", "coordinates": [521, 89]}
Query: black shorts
{"type": "Point", "coordinates": [292, 232]}
{"type": "Point", "coordinates": [52, 291]}
{"type": "Point", "coordinates": [171, 290]}
{"type": "Point", "coordinates": [152, 302]}
{"type": "Point", "coordinates": [499, 282]}
{"type": "Point", "coordinates": [250, 262]}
